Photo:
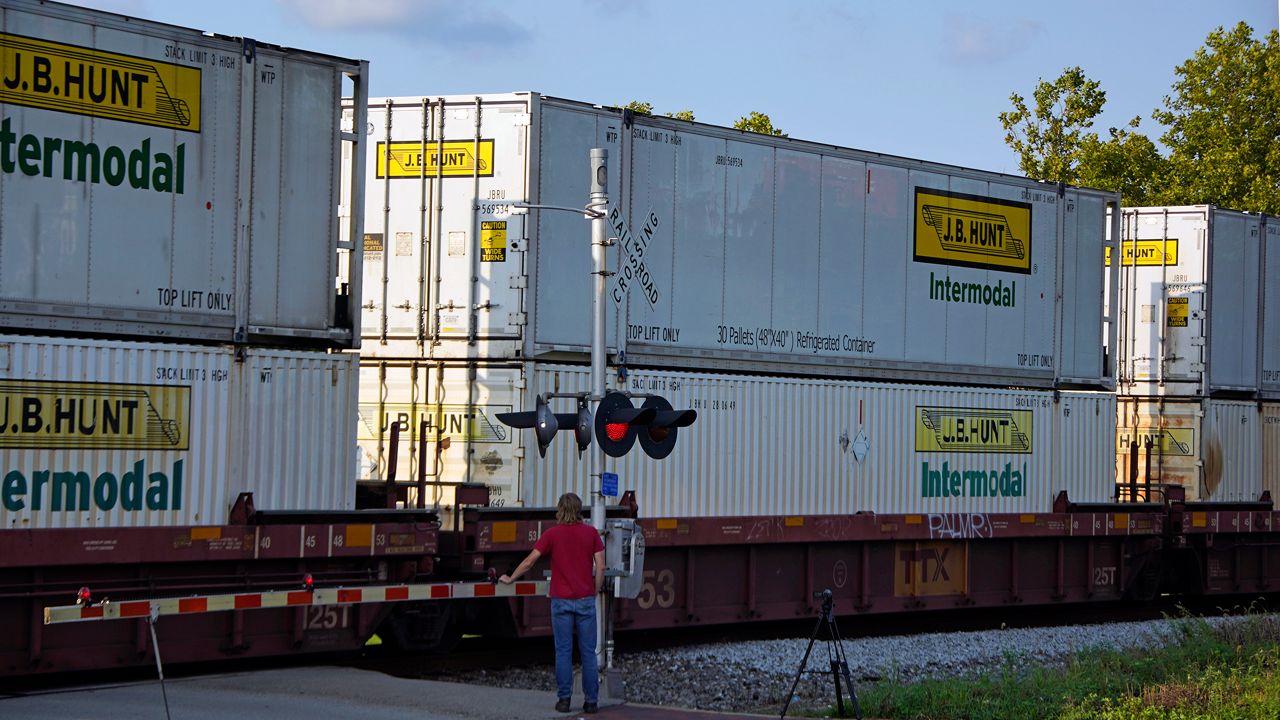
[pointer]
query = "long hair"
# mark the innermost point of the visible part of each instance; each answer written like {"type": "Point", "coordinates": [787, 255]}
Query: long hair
{"type": "Point", "coordinates": [569, 509]}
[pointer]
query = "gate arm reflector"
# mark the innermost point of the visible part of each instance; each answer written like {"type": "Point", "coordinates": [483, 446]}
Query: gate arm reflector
{"type": "Point", "coordinates": [289, 598]}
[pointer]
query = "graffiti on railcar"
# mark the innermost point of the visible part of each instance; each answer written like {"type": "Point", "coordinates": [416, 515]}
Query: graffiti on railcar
{"type": "Point", "coordinates": [960, 526]}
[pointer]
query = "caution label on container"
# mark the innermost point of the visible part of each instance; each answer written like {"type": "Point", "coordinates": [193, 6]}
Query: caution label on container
{"type": "Point", "coordinates": [84, 81]}
{"type": "Point", "coordinates": [972, 231]}
{"type": "Point", "coordinates": [94, 416]}
{"type": "Point", "coordinates": [1148, 252]}
{"type": "Point", "coordinates": [969, 430]}
{"type": "Point", "coordinates": [1177, 311]}
{"type": "Point", "coordinates": [458, 158]}
{"type": "Point", "coordinates": [493, 241]}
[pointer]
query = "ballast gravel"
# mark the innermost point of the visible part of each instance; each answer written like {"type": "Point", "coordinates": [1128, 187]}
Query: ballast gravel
{"type": "Point", "coordinates": [756, 675]}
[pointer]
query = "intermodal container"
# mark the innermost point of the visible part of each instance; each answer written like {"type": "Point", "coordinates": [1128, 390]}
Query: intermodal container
{"type": "Point", "coordinates": [735, 250]}
{"type": "Point", "coordinates": [126, 434]}
{"type": "Point", "coordinates": [1271, 448]}
{"type": "Point", "coordinates": [1271, 311]}
{"type": "Point", "coordinates": [1212, 448]}
{"type": "Point", "coordinates": [161, 182]}
{"type": "Point", "coordinates": [760, 446]}
{"type": "Point", "coordinates": [1191, 302]}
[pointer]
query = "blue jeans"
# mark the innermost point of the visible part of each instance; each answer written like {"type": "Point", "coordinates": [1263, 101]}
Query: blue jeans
{"type": "Point", "coordinates": [566, 616]}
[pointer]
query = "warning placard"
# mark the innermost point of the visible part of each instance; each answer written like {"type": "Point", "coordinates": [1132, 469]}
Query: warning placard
{"type": "Point", "coordinates": [1178, 310]}
{"type": "Point", "coordinates": [493, 241]}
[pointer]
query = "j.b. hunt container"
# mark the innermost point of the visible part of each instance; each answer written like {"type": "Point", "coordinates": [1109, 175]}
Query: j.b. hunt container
{"type": "Point", "coordinates": [125, 434]}
{"type": "Point", "coordinates": [735, 250]}
{"type": "Point", "coordinates": [760, 446]}
{"type": "Point", "coordinates": [1213, 448]}
{"type": "Point", "coordinates": [163, 182]}
{"type": "Point", "coordinates": [1193, 298]}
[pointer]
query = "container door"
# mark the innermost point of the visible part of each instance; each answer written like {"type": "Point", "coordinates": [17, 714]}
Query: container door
{"type": "Point", "coordinates": [1158, 443]}
{"type": "Point", "coordinates": [1271, 309]}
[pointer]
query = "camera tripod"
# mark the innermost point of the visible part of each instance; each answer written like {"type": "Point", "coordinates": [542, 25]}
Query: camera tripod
{"type": "Point", "coordinates": [835, 654]}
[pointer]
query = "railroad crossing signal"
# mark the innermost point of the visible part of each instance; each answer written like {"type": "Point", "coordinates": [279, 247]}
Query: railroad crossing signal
{"type": "Point", "coordinates": [658, 438]}
{"type": "Point", "coordinates": [617, 424]}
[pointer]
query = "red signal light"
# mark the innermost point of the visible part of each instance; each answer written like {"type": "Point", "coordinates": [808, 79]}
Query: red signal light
{"type": "Point", "coordinates": [83, 597]}
{"type": "Point", "coordinates": [308, 583]}
{"type": "Point", "coordinates": [616, 431]}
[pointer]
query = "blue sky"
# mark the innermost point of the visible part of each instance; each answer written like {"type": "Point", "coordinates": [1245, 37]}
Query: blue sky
{"type": "Point", "coordinates": [922, 79]}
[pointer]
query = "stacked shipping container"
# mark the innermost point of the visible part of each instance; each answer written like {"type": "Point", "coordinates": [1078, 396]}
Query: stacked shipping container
{"type": "Point", "coordinates": [173, 273]}
{"type": "Point", "coordinates": [793, 264]}
{"type": "Point", "coordinates": [1193, 350]}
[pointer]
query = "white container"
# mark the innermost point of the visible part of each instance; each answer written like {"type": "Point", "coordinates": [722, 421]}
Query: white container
{"type": "Point", "coordinates": [164, 182]}
{"type": "Point", "coordinates": [1191, 303]}
{"type": "Point", "coordinates": [761, 445]}
{"type": "Point", "coordinates": [123, 434]}
{"type": "Point", "coordinates": [741, 251]}
{"type": "Point", "coordinates": [1213, 448]}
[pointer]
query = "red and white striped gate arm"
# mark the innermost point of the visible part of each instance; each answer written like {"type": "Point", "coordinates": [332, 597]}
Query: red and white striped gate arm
{"type": "Point", "coordinates": [289, 598]}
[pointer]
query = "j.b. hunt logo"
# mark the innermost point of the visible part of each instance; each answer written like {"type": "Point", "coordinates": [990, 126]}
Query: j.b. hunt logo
{"type": "Point", "coordinates": [973, 430]}
{"type": "Point", "coordinates": [973, 231]}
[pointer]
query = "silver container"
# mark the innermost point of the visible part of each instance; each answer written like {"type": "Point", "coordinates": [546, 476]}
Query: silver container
{"type": "Point", "coordinates": [1270, 337]}
{"type": "Point", "coordinates": [125, 434]}
{"type": "Point", "coordinates": [164, 182]}
{"type": "Point", "coordinates": [736, 250]}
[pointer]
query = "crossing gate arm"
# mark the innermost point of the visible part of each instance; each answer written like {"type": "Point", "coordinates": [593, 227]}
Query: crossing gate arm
{"type": "Point", "coordinates": [288, 598]}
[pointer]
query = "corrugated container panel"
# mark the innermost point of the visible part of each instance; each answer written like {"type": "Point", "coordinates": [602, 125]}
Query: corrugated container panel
{"type": "Point", "coordinates": [737, 251]}
{"type": "Point", "coordinates": [1271, 449]}
{"type": "Point", "coordinates": [297, 415]}
{"type": "Point", "coordinates": [118, 434]}
{"type": "Point", "coordinates": [1212, 448]}
{"type": "Point", "coordinates": [204, 206]}
{"type": "Point", "coordinates": [769, 446]}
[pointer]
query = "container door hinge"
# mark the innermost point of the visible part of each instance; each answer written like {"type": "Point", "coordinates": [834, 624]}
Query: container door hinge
{"type": "Point", "coordinates": [518, 282]}
{"type": "Point", "coordinates": [518, 319]}
{"type": "Point", "coordinates": [520, 119]}
{"type": "Point", "coordinates": [1197, 367]}
{"type": "Point", "coordinates": [518, 452]}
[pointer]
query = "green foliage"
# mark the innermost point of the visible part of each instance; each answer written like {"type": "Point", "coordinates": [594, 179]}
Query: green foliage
{"type": "Point", "coordinates": [640, 107]}
{"type": "Point", "coordinates": [758, 122]}
{"type": "Point", "coordinates": [1203, 673]}
{"type": "Point", "coordinates": [1048, 137]}
{"type": "Point", "coordinates": [681, 115]}
{"type": "Point", "coordinates": [1223, 121]}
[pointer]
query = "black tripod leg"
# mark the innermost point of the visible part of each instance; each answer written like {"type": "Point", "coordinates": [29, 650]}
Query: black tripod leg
{"type": "Point", "coordinates": [843, 668]}
{"type": "Point", "coordinates": [804, 662]}
{"type": "Point", "coordinates": [835, 677]}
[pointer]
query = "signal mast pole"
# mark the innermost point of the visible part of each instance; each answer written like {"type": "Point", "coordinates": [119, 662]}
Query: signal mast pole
{"type": "Point", "coordinates": [598, 201]}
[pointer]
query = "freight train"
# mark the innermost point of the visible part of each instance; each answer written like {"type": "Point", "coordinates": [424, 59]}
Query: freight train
{"type": "Point", "coordinates": [257, 338]}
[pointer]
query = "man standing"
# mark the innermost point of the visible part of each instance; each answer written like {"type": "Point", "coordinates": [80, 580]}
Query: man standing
{"type": "Point", "coordinates": [577, 574]}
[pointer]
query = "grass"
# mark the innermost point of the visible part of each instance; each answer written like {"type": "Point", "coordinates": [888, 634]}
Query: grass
{"type": "Point", "coordinates": [1205, 672]}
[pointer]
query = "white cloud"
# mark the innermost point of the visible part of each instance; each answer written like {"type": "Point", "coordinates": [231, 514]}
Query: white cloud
{"type": "Point", "coordinates": [971, 40]}
{"type": "Point", "coordinates": [449, 25]}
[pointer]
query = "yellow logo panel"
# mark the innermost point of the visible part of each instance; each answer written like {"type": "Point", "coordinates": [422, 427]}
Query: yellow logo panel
{"type": "Point", "coordinates": [94, 416]}
{"type": "Point", "coordinates": [457, 160]}
{"type": "Point", "coordinates": [1148, 252]}
{"type": "Point", "coordinates": [973, 231]}
{"type": "Point", "coordinates": [927, 569]}
{"type": "Point", "coordinates": [1166, 441]}
{"type": "Point", "coordinates": [457, 422]}
{"type": "Point", "coordinates": [78, 80]}
{"type": "Point", "coordinates": [967, 430]}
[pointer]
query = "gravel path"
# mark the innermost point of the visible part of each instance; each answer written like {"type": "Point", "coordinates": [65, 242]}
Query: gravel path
{"type": "Point", "coordinates": [755, 675]}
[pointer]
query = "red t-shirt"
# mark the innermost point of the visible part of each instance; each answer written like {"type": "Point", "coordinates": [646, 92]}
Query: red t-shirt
{"type": "Point", "coordinates": [571, 548]}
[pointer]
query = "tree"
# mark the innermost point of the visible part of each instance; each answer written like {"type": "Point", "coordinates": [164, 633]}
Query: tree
{"type": "Point", "coordinates": [681, 115]}
{"type": "Point", "coordinates": [1049, 138]}
{"type": "Point", "coordinates": [640, 107]}
{"type": "Point", "coordinates": [1223, 120]}
{"type": "Point", "coordinates": [758, 122]}
{"type": "Point", "coordinates": [1127, 162]}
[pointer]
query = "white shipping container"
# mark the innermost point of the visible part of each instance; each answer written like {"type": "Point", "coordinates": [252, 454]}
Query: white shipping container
{"type": "Point", "coordinates": [737, 250]}
{"type": "Point", "coordinates": [164, 182]}
{"type": "Point", "coordinates": [764, 445]}
{"type": "Point", "coordinates": [1191, 298]}
{"type": "Point", "coordinates": [125, 434]}
{"type": "Point", "coordinates": [1212, 448]}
